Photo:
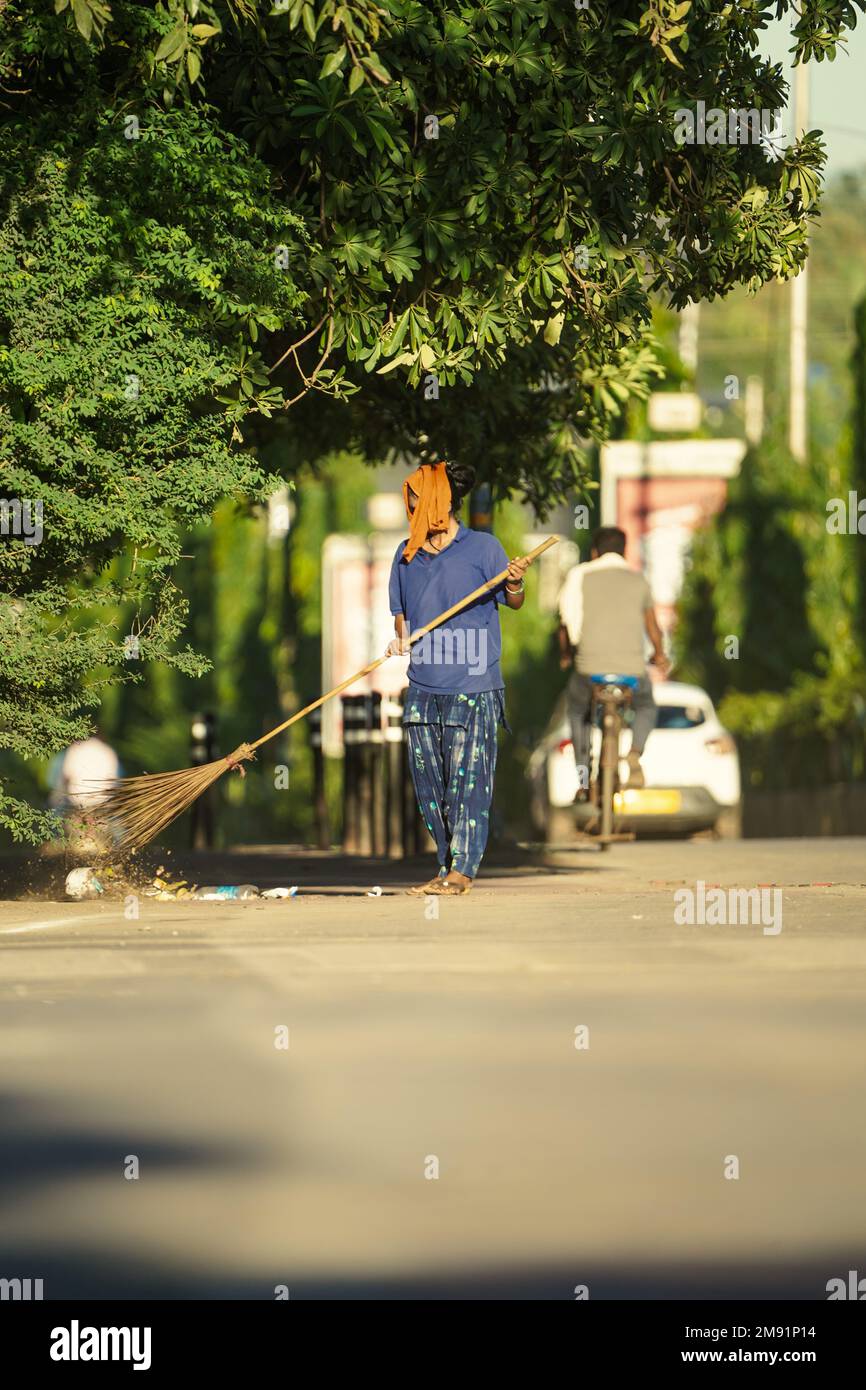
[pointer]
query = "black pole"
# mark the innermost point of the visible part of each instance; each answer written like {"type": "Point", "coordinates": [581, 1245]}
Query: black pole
{"type": "Point", "coordinates": [203, 749]}
{"type": "Point", "coordinates": [365, 776]}
{"type": "Point", "coordinates": [379, 821]}
{"type": "Point", "coordinates": [351, 751]}
{"type": "Point", "coordinates": [393, 767]}
{"type": "Point", "coordinates": [481, 508]}
{"type": "Point", "coordinates": [320, 804]}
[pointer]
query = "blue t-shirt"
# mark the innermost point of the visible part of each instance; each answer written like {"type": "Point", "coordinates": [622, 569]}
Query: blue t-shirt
{"type": "Point", "coordinates": [462, 655]}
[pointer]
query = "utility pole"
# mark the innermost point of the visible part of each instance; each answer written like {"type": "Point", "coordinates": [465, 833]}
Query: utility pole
{"type": "Point", "coordinates": [754, 409]}
{"type": "Point", "coordinates": [687, 346]}
{"type": "Point", "coordinates": [798, 422]}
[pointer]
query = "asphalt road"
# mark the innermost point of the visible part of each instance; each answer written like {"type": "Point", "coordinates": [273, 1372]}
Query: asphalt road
{"type": "Point", "coordinates": [416, 1043]}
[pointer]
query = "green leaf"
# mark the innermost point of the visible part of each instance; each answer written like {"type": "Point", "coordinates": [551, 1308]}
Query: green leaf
{"type": "Point", "coordinates": [401, 361]}
{"type": "Point", "coordinates": [193, 65]}
{"type": "Point", "coordinates": [83, 18]}
{"type": "Point", "coordinates": [399, 332]}
{"type": "Point", "coordinates": [553, 329]}
{"type": "Point", "coordinates": [309, 18]}
{"type": "Point", "coordinates": [172, 45]}
{"type": "Point", "coordinates": [373, 64]}
{"type": "Point", "coordinates": [333, 61]}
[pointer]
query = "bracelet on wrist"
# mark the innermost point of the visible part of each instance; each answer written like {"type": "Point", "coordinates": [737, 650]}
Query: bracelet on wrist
{"type": "Point", "coordinates": [518, 590]}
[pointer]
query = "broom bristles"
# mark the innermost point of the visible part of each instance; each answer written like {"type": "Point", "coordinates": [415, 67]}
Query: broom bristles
{"type": "Point", "coordinates": [135, 809]}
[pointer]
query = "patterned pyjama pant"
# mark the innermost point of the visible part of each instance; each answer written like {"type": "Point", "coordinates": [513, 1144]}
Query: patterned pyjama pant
{"type": "Point", "coordinates": [452, 751]}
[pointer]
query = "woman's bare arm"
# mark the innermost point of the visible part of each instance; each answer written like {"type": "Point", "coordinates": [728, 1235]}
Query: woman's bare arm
{"type": "Point", "coordinates": [400, 644]}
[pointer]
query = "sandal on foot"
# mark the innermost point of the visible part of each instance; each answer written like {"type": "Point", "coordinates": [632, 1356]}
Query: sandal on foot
{"type": "Point", "coordinates": [444, 888]}
{"type": "Point", "coordinates": [421, 889]}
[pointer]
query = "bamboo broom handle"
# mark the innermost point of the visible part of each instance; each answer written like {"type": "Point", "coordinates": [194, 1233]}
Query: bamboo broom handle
{"type": "Point", "coordinates": [359, 675]}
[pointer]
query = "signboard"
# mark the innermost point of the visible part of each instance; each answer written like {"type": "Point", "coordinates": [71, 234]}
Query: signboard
{"type": "Point", "coordinates": [673, 412]}
{"type": "Point", "coordinates": [660, 494]}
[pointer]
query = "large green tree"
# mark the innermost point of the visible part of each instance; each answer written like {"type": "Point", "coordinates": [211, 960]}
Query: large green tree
{"type": "Point", "coordinates": [348, 222]}
{"type": "Point", "coordinates": [122, 392]}
{"type": "Point", "coordinates": [488, 185]}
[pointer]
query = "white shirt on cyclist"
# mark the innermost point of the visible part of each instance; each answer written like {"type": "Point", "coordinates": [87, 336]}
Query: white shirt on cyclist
{"type": "Point", "coordinates": [603, 606]}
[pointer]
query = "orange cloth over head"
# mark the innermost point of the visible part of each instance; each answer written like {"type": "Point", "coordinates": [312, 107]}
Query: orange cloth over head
{"type": "Point", "coordinates": [432, 511]}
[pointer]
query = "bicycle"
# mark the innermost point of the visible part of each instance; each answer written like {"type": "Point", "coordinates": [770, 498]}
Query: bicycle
{"type": "Point", "coordinates": [612, 694]}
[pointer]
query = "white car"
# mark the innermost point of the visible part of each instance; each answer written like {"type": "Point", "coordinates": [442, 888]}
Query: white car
{"type": "Point", "coordinates": [690, 764]}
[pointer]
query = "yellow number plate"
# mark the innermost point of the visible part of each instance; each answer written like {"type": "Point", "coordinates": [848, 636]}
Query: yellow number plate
{"type": "Point", "coordinates": [647, 801]}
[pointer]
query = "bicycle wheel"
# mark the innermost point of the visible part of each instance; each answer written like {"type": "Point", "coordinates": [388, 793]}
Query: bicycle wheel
{"type": "Point", "coordinates": [609, 758]}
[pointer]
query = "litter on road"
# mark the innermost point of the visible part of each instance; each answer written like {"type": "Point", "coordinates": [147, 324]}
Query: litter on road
{"type": "Point", "coordinates": [82, 883]}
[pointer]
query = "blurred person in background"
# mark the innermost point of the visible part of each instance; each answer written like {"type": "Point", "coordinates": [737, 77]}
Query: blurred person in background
{"type": "Point", "coordinates": [74, 773]}
{"type": "Point", "coordinates": [606, 613]}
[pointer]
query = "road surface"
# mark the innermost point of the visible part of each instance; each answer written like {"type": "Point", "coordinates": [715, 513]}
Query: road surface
{"type": "Point", "coordinates": [550, 1086]}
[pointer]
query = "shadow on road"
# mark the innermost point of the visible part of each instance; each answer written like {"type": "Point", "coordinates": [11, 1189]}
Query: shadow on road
{"type": "Point", "coordinates": [313, 871]}
{"type": "Point", "coordinates": [37, 1151]}
{"type": "Point", "coordinates": [39, 1145]}
{"type": "Point", "coordinates": [88, 1272]}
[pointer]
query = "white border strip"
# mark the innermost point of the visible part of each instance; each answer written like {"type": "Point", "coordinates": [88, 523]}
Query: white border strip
{"type": "Point", "coordinates": [52, 922]}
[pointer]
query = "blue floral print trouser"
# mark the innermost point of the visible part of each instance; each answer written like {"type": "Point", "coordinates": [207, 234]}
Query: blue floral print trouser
{"type": "Point", "coordinates": [452, 751]}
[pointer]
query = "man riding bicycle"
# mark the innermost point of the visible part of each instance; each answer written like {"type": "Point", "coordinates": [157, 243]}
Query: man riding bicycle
{"type": "Point", "coordinates": [605, 609]}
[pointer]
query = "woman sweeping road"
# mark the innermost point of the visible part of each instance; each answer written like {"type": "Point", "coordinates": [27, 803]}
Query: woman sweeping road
{"type": "Point", "coordinates": [136, 809]}
{"type": "Point", "coordinates": [456, 697]}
